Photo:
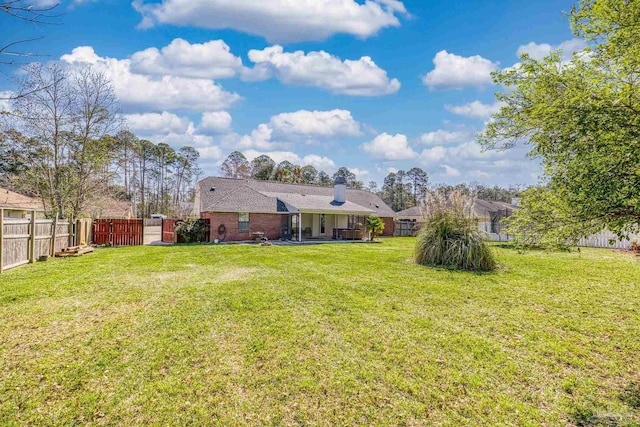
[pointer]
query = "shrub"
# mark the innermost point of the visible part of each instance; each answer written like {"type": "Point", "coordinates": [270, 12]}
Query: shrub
{"type": "Point", "coordinates": [192, 231]}
{"type": "Point", "coordinates": [375, 226]}
{"type": "Point", "coordinates": [450, 236]}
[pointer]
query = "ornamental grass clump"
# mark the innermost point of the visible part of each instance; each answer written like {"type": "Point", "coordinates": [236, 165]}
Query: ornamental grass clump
{"type": "Point", "coordinates": [450, 236]}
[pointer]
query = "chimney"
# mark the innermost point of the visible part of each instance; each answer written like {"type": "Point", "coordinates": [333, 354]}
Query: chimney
{"type": "Point", "coordinates": [340, 190]}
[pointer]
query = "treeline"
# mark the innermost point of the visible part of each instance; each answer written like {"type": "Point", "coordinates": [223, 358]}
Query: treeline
{"type": "Point", "coordinates": [264, 168]}
{"type": "Point", "coordinates": [63, 143]}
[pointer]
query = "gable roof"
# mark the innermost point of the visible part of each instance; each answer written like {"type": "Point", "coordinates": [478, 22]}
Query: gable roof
{"type": "Point", "coordinates": [248, 195]}
{"type": "Point", "coordinates": [414, 211]}
{"type": "Point", "coordinates": [481, 209]}
{"type": "Point", "coordinates": [108, 207]}
{"type": "Point", "coordinates": [11, 200]}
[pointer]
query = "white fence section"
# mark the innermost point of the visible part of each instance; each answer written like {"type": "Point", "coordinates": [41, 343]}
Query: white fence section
{"type": "Point", "coordinates": [603, 240]}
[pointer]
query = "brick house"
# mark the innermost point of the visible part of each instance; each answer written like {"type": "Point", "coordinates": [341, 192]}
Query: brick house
{"type": "Point", "coordinates": [242, 209]}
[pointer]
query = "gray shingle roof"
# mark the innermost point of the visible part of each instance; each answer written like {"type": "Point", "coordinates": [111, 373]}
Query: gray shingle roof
{"type": "Point", "coordinates": [414, 211]}
{"type": "Point", "coordinates": [481, 209]}
{"type": "Point", "coordinates": [246, 195]}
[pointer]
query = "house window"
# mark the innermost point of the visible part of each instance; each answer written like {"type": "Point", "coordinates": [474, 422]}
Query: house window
{"type": "Point", "coordinates": [243, 222]}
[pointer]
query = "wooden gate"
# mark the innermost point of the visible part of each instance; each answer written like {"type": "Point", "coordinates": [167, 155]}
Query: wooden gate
{"type": "Point", "coordinates": [406, 229]}
{"type": "Point", "coordinates": [118, 232]}
{"type": "Point", "coordinates": [169, 230]}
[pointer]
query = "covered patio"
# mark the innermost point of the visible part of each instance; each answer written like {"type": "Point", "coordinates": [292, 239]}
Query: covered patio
{"type": "Point", "coordinates": [328, 226]}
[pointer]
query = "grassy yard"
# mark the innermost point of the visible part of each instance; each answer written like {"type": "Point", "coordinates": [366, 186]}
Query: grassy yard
{"type": "Point", "coordinates": [319, 335]}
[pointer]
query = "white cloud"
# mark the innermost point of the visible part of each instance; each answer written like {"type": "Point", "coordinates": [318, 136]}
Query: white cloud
{"type": "Point", "coordinates": [441, 137]}
{"type": "Point", "coordinates": [360, 77]}
{"type": "Point", "coordinates": [285, 128]}
{"type": "Point", "coordinates": [449, 171]}
{"type": "Point", "coordinates": [456, 72]}
{"type": "Point", "coordinates": [210, 60]}
{"type": "Point", "coordinates": [277, 20]}
{"type": "Point", "coordinates": [143, 92]}
{"type": "Point", "coordinates": [327, 124]}
{"type": "Point", "coordinates": [475, 109]}
{"type": "Point", "coordinates": [154, 123]}
{"type": "Point", "coordinates": [389, 147]}
{"type": "Point", "coordinates": [215, 121]}
{"type": "Point", "coordinates": [209, 153]}
{"type": "Point", "coordinates": [359, 173]}
{"type": "Point", "coordinates": [321, 163]}
{"type": "Point", "coordinates": [260, 138]}
{"type": "Point", "coordinates": [542, 50]}
{"type": "Point", "coordinates": [433, 154]}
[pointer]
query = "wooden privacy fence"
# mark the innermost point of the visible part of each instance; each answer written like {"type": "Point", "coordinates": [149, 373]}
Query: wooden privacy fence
{"type": "Point", "coordinates": [23, 241]}
{"type": "Point", "coordinates": [406, 229]}
{"type": "Point", "coordinates": [118, 232]}
{"type": "Point", "coordinates": [169, 231]}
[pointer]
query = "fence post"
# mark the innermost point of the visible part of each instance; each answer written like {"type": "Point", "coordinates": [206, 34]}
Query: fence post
{"type": "Point", "coordinates": [32, 238]}
{"type": "Point", "coordinates": [53, 237]}
{"type": "Point", "coordinates": [1, 237]}
{"type": "Point", "coordinates": [70, 238]}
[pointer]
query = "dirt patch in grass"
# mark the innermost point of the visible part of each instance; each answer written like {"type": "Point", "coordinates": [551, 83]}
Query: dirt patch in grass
{"type": "Point", "coordinates": [234, 274]}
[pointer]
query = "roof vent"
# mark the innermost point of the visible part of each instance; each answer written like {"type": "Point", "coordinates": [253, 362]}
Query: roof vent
{"type": "Point", "coordinates": [212, 189]}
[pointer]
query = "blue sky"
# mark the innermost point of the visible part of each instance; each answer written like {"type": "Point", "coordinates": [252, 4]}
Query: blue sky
{"type": "Point", "coordinates": [373, 86]}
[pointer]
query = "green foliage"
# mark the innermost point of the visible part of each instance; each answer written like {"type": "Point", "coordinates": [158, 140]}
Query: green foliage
{"type": "Point", "coordinates": [402, 190]}
{"type": "Point", "coordinates": [545, 219]}
{"type": "Point", "coordinates": [350, 177]}
{"type": "Point", "coordinates": [631, 395]}
{"type": "Point", "coordinates": [262, 167]}
{"type": "Point", "coordinates": [581, 118]}
{"type": "Point", "coordinates": [192, 231]}
{"type": "Point", "coordinates": [450, 237]}
{"type": "Point", "coordinates": [236, 165]}
{"type": "Point", "coordinates": [375, 226]}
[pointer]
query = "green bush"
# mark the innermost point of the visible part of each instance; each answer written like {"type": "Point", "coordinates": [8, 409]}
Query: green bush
{"type": "Point", "coordinates": [450, 236]}
{"type": "Point", "coordinates": [192, 231]}
{"type": "Point", "coordinates": [375, 226]}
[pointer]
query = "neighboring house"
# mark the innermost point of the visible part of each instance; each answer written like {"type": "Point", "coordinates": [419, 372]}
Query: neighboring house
{"type": "Point", "coordinates": [240, 208]}
{"type": "Point", "coordinates": [489, 213]}
{"type": "Point", "coordinates": [110, 208]}
{"type": "Point", "coordinates": [17, 206]}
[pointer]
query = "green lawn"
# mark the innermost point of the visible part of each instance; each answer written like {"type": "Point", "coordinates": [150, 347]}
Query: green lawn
{"type": "Point", "coordinates": [319, 335]}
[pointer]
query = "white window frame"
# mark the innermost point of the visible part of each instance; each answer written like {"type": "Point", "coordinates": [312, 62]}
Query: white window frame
{"type": "Point", "coordinates": [243, 226]}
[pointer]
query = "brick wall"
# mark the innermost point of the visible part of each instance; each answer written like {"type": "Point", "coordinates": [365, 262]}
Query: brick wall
{"type": "Point", "coordinates": [270, 224]}
{"type": "Point", "coordinates": [389, 226]}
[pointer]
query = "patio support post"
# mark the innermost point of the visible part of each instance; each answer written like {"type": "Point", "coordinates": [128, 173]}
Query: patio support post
{"type": "Point", "coordinates": [1, 238]}
{"type": "Point", "coordinates": [299, 226]}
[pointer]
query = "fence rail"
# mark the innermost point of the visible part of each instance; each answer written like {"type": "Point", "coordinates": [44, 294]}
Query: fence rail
{"type": "Point", "coordinates": [24, 241]}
